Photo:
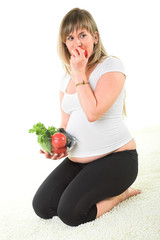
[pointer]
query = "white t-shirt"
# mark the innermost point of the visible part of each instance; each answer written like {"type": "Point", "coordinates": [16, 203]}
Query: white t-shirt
{"type": "Point", "coordinates": [105, 134]}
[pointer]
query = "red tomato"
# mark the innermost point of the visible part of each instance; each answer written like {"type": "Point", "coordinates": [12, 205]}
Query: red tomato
{"type": "Point", "coordinates": [58, 140]}
{"type": "Point", "coordinates": [84, 50]}
{"type": "Point", "coordinates": [60, 150]}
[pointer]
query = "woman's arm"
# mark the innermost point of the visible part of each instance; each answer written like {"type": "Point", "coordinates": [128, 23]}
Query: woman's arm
{"type": "Point", "coordinates": [64, 116]}
{"type": "Point", "coordinates": [109, 86]}
{"type": "Point", "coordinates": [96, 104]}
{"type": "Point", "coordinates": [64, 122]}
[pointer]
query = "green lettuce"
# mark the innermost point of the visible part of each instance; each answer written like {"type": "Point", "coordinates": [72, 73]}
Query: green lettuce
{"type": "Point", "coordinates": [44, 135]}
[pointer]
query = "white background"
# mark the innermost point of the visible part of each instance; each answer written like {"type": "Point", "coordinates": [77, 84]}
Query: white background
{"type": "Point", "coordinates": [30, 69]}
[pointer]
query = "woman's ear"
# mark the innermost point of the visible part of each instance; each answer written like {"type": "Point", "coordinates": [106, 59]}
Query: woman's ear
{"type": "Point", "coordinates": [96, 37]}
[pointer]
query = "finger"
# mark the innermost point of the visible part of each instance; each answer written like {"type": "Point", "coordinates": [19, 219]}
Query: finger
{"type": "Point", "coordinates": [63, 155]}
{"type": "Point", "coordinates": [41, 151]}
{"type": "Point", "coordinates": [72, 59]}
{"type": "Point", "coordinates": [47, 155]}
{"type": "Point", "coordinates": [75, 53]}
{"type": "Point", "coordinates": [54, 157]}
{"type": "Point", "coordinates": [81, 51]}
{"type": "Point", "coordinates": [66, 153]}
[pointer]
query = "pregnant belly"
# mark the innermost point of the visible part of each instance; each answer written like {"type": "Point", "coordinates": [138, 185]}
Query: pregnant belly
{"type": "Point", "coordinates": [131, 145]}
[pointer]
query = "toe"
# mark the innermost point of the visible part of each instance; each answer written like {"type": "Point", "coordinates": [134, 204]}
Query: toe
{"type": "Point", "coordinates": [138, 191]}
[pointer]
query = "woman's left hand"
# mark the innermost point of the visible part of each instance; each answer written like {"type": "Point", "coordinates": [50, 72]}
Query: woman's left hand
{"type": "Point", "coordinates": [78, 61]}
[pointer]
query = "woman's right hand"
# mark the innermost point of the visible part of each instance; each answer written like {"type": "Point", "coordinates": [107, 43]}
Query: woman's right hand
{"type": "Point", "coordinates": [55, 156]}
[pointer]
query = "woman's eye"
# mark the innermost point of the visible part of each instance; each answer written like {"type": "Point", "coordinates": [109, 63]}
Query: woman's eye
{"type": "Point", "coordinates": [70, 38]}
{"type": "Point", "coordinates": [82, 36]}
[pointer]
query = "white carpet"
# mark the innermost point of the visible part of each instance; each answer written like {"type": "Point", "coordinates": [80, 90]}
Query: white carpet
{"type": "Point", "coordinates": [137, 218]}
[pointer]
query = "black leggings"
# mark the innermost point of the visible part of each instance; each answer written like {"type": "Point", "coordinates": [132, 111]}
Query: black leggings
{"type": "Point", "coordinates": [72, 190]}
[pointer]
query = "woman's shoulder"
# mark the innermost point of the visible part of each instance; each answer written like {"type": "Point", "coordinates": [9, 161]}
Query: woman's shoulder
{"type": "Point", "coordinates": [64, 81]}
{"type": "Point", "coordinates": [112, 63]}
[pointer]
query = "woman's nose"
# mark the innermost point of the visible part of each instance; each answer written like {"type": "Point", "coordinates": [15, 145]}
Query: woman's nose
{"type": "Point", "coordinates": [77, 42]}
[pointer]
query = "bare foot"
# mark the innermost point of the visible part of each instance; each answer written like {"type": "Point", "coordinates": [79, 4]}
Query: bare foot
{"type": "Point", "coordinates": [107, 204]}
{"type": "Point", "coordinates": [130, 192]}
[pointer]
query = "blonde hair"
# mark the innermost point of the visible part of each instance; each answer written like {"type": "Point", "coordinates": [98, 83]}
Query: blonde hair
{"type": "Point", "coordinates": [124, 105]}
{"type": "Point", "coordinates": [80, 19]}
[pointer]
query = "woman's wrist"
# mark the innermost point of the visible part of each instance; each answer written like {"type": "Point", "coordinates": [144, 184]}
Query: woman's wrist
{"type": "Point", "coordinates": [78, 78]}
{"type": "Point", "coordinates": [82, 83]}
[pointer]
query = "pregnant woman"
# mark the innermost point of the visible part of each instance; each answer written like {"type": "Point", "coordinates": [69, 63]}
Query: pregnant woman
{"type": "Point", "coordinates": [97, 173]}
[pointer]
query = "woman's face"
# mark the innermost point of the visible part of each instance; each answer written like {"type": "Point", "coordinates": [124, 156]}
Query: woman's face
{"type": "Point", "coordinates": [82, 38]}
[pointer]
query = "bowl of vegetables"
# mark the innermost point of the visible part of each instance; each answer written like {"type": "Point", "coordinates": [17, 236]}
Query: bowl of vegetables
{"type": "Point", "coordinates": [53, 140]}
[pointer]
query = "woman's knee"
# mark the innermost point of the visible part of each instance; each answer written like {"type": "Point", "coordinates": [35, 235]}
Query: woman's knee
{"type": "Point", "coordinates": [66, 215]}
{"type": "Point", "coordinates": [41, 209]}
{"type": "Point", "coordinates": [70, 213]}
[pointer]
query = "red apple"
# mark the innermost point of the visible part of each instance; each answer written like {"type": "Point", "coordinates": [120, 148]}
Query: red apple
{"type": "Point", "coordinates": [84, 50]}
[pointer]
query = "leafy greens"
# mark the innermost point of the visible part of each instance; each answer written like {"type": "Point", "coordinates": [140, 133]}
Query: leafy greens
{"type": "Point", "coordinates": [44, 135]}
